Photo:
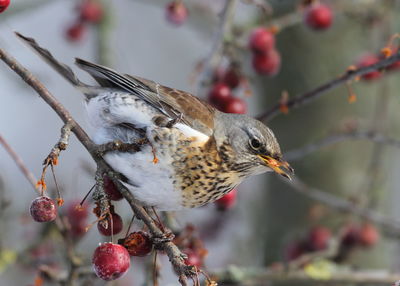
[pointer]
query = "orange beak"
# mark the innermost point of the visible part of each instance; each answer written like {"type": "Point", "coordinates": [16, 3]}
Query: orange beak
{"type": "Point", "coordinates": [279, 166]}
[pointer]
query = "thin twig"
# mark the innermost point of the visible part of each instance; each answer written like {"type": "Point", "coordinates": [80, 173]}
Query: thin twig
{"type": "Point", "coordinates": [17, 159]}
{"type": "Point", "coordinates": [307, 97]}
{"type": "Point", "coordinates": [298, 153]}
{"type": "Point", "coordinates": [173, 252]}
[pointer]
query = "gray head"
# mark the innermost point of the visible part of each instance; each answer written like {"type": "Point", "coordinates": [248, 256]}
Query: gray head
{"type": "Point", "coordinates": [255, 147]}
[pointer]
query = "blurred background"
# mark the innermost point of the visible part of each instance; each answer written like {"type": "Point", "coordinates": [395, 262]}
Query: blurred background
{"type": "Point", "coordinates": [261, 53]}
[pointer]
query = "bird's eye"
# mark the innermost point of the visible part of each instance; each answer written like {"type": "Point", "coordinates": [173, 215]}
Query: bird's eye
{"type": "Point", "coordinates": [255, 143]}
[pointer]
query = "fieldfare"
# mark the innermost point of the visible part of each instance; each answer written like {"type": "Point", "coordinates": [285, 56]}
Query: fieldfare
{"type": "Point", "coordinates": [201, 153]}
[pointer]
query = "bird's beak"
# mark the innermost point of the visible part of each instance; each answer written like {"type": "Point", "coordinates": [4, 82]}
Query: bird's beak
{"type": "Point", "coordinates": [279, 166]}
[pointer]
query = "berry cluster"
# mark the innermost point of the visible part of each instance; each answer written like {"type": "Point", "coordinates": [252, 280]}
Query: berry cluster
{"type": "Point", "coordinates": [176, 12]}
{"type": "Point", "coordinates": [89, 12]}
{"type": "Point", "coordinates": [266, 59]}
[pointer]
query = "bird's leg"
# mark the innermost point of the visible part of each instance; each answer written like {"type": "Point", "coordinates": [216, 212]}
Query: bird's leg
{"type": "Point", "coordinates": [174, 121]}
{"type": "Point", "coordinates": [167, 235]}
{"type": "Point", "coordinates": [120, 146]}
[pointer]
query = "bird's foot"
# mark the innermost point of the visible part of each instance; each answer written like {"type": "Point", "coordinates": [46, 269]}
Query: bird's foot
{"type": "Point", "coordinates": [120, 146]}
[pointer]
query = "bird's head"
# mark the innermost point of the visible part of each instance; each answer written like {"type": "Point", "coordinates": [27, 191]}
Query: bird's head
{"type": "Point", "coordinates": [255, 147]}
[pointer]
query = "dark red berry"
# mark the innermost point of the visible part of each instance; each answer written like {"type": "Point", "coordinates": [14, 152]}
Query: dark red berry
{"type": "Point", "coordinates": [227, 201]}
{"type": "Point", "coordinates": [176, 12]}
{"type": "Point", "coordinates": [111, 189]}
{"type": "Point", "coordinates": [193, 259]}
{"type": "Point", "coordinates": [77, 215]}
{"type": "Point", "coordinates": [268, 63]}
{"type": "Point", "coordinates": [367, 60]}
{"type": "Point", "coordinates": [110, 261]}
{"type": "Point", "coordinates": [235, 105]}
{"type": "Point", "coordinates": [395, 65]}
{"type": "Point", "coordinates": [318, 16]}
{"type": "Point", "coordinates": [43, 209]}
{"type": "Point", "coordinates": [351, 235]}
{"type": "Point", "coordinates": [104, 226]}
{"type": "Point", "coordinates": [318, 238]}
{"type": "Point", "coordinates": [76, 32]}
{"type": "Point", "coordinates": [91, 11]}
{"type": "Point", "coordinates": [220, 94]}
{"type": "Point", "coordinates": [261, 40]}
{"type": "Point", "coordinates": [137, 243]}
{"type": "Point", "coordinates": [232, 78]}
{"type": "Point", "coordinates": [4, 5]}
{"type": "Point", "coordinates": [368, 235]}
{"type": "Point", "coordinates": [295, 250]}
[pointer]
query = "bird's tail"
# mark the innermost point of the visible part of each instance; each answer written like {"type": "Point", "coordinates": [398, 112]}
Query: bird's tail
{"type": "Point", "coordinates": [61, 68]}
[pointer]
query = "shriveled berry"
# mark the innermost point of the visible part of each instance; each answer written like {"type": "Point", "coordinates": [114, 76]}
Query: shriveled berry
{"type": "Point", "coordinates": [193, 259]}
{"type": "Point", "coordinates": [318, 238]}
{"type": "Point", "coordinates": [43, 209]}
{"type": "Point", "coordinates": [137, 243]}
{"type": "Point", "coordinates": [111, 189]}
{"type": "Point", "coordinates": [369, 235]}
{"type": "Point", "coordinates": [261, 40]}
{"type": "Point", "coordinates": [176, 12]}
{"type": "Point", "coordinates": [318, 16]}
{"type": "Point", "coordinates": [367, 60]}
{"type": "Point", "coordinates": [107, 228]}
{"type": "Point", "coordinates": [227, 201]}
{"type": "Point", "coordinates": [220, 94]}
{"type": "Point", "coordinates": [76, 32]}
{"type": "Point", "coordinates": [268, 63]}
{"type": "Point", "coordinates": [91, 11]}
{"type": "Point", "coordinates": [110, 261]}
{"type": "Point", "coordinates": [4, 5]}
{"type": "Point", "coordinates": [235, 105]}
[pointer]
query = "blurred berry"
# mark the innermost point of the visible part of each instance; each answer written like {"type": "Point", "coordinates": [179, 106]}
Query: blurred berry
{"type": "Point", "coordinates": [235, 105]}
{"type": "Point", "coordinates": [176, 12]}
{"type": "Point", "coordinates": [268, 63]}
{"type": "Point", "coordinates": [4, 5]}
{"type": "Point", "coordinates": [193, 259]}
{"type": "Point", "coordinates": [351, 236]}
{"type": "Point", "coordinates": [91, 11]}
{"type": "Point", "coordinates": [227, 201]}
{"type": "Point", "coordinates": [232, 77]}
{"type": "Point", "coordinates": [369, 235]}
{"type": "Point", "coordinates": [110, 261]}
{"type": "Point", "coordinates": [294, 250]}
{"type": "Point", "coordinates": [77, 215]}
{"type": "Point", "coordinates": [43, 209]}
{"type": "Point", "coordinates": [106, 228]}
{"type": "Point", "coordinates": [76, 32]}
{"type": "Point", "coordinates": [111, 189]}
{"type": "Point", "coordinates": [137, 243]}
{"type": "Point", "coordinates": [367, 60]}
{"type": "Point", "coordinates": [318, 16]}
{"type": "Point", "coordinates": [318, 238]}
{"type": "Point", "coordinates": [261, 40]}
{"type": "Point", "coordinates": [219, 95]}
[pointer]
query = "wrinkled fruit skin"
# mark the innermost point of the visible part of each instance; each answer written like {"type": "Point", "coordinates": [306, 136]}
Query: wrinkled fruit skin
{"type": "Point", "coordinates": [235, 105]}
{"type": "Point", "coordinates": [4, 5]}
{"type": "Point", "coordinates": [104, 226]}
{"type": "Point", "coordinates": [367, 60]}
{"type": "Point", "coordinates": [176, 13]}
{"type": "Point", "coordinates": [137, 243]}
{"type": "Point", "coordinates": [261, 40]}
{"type": "Point", "coordinates": [43, 209]}
{"type": "Point", "coordinates": [318, 17]}
{"type": "Point", "coordinates": [268, 63]}
{"type": "Point", "coordinates": [110, 261]}
{"type": "Point", "coordinates": [227, 201]}
{"type": "Point", "coordinates": [111, 189]}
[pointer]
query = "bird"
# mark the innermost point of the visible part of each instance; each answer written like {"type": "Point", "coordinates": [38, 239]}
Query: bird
{"type": "Point", "coordinates": [195, 153]}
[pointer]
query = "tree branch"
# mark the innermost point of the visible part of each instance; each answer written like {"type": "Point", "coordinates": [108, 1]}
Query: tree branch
{"type": "Point", "coordinates": [174, 254]}
{"type": "Point", "coordinates": [307, 97]}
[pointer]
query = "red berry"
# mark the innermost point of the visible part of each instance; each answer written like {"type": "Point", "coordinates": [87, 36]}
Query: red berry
{"type": "Point", "coordinates": [219, 95]}
{"type": "Point", "coordinates": [318, 16]}
{"type": "Point", "coordinates": [294, 250]}
{"type": "Point", "coordinates": [4, 5]}
{"type": "Point", "coordinates": [43, 209]}
{"type": "Point", "coordinates": [110, 261]}
{"type": "Point", "coordinates": [111, 189]}
{"type": "Point", "coordinates": [261, 40]}
{"type": "Point", "coordinates": [104, 226]}
{"type": "Point", "coordinates": [91, 11]}
{"type": "Point", "coordinates": [176, 13]}
{"type": "Point", "coordinates": [268, 63]}
{"type": "Point", "coordinates": [367, 60]}
{"type": "Point", "coordinates": [395, 65]}
{"type": "Point", "coordinates": [319, 237]}
{"type": "Point", "coordinates": [351, 236]}
{"type": "Point", "coordinates": [193, 259]}
{"type": "Point", "coordinates": [235, 105]}
{"type": "Point", "coordinates": [76, 32]}
{"type": "Point", "coordinates": [77, 215]}
{"type": "Point", "coordinates": [137, 243]}
{"type": "Point", "coordinates": [369, 235]}
{"type": "Point", "coordinates": [227, 201]}
{"type": "Point", "coordinates": [232, 78]}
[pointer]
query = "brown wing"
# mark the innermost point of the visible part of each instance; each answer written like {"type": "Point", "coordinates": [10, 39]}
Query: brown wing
{"type": "Point", "coordinates": [171, 102]}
